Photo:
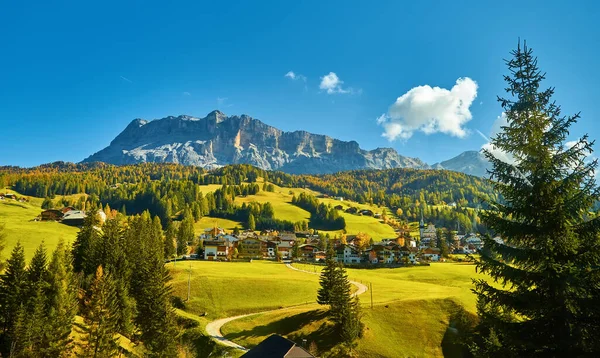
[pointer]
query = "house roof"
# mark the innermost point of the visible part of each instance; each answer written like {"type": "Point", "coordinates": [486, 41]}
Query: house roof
{"type": "Point", "coordinates": [74, 214]}
{"type": "Point", "coordinates": [276, 346]}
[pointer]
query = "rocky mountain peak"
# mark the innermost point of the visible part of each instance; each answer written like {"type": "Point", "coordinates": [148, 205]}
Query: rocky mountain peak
{"type": "Point", "coordinates": [218, 139]}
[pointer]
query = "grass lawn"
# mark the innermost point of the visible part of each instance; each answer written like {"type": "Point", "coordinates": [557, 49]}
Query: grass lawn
{"type": "Point", "coordinates": [209, 222]}
{"type": "Point", "coordinates": [17, 218]}
{"type": "Point", "coordinates": [223, 289]}
{"type": "Point", "coordinates": [281, 199]}
{"type": "Point", "coordinates": [282, 204]}
{"type": "Point", "coordinates": [209, 188]}
{"type": "Point", "coordinates": [413, 328]}
{"type": "Point", "coordinates": [440, 280]}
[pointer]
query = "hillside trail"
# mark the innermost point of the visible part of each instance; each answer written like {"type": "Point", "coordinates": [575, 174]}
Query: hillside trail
{"type": "Point", "coordinates": [214, 328]}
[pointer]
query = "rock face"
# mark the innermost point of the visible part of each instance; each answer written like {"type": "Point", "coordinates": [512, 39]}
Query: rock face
{"type": "Point", "coordinates": [218, 140]}
{"type": "Point", "coordinates": [470, 162]}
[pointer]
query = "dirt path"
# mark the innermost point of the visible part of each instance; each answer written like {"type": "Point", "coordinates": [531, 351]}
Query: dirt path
{"type": "Point", "coordinates": [214, 328]}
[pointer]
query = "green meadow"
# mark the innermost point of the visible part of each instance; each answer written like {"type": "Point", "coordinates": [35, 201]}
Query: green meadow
{"type": "Point", "coordinates": [19, 226]}
{"type": "Point", "coordinates": [222, 289]}
{"type": "Point", "coordinates": [412, 310]}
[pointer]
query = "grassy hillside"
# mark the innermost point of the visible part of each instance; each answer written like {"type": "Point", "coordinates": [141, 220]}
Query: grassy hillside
{"type": "Point", "coordinates": [19, 226]}
{"type": "Point", "coordinates": [440, 280]}
{"type": "Point", "coordinates": [413, 308]}
{"type": "Point", "coordinates": [413, 328]}
{"type": "Point", "coordinates": [224, 289]}
{"type": "Point", "coordinates": [208, 222]}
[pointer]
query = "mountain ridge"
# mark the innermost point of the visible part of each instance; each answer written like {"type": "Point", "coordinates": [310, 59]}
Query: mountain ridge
{"type": "Point", "coordinates": [217, 140]}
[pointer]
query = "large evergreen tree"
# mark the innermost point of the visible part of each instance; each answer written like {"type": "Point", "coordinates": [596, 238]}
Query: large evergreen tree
{"type": "Point", "coordinates": [100, 329]}
{"type": "Point", "coordinates": [13, 289]}
{"type": "Point", "coordinates": [85, 243]}
{"type": "Point", "coordinates": [548, 257]}
{"type": "Point", "coordinates": [155, 316]}
{"type": "Point", "coordinates": [170, 237]}
{"type": "Point", "coordinates": [61, 307]}
{"type": "Point", "coordinates": [185, 233]}
{"type": "Point", "coordinates": [327, 277]}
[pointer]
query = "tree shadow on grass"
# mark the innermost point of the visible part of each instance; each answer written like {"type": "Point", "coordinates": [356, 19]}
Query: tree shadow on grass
{"type": "Point", "coordinates": [323, 336]}
{"type": "Point", "coordinates": [457, 335]}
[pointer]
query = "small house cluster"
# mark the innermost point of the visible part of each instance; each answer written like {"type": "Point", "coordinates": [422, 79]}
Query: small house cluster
{"type": "Point", "coordinates": [220, 246]}
{"type": "Point", "coordinates": [68, 216]}
{"type": "Point", "coordinates": [14, 197]}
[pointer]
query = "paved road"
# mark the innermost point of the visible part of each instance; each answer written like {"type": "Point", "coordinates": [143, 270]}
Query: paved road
{"type": "Point", "coordinates": [361, 288]}
{"type": "Point", "coordinates": [214, 328]}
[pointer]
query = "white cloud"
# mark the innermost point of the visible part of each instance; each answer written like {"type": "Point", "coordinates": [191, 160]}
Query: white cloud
{"type": "Point", "coordinates": [430, 110]}
{"type": "Point", "coordinates": [571, 143]}
{"type": "Point", "coordinates": [331, 83]}
{"type": "Point", "coordinates": [501, 121]}
{"type": "Point", "coordinates": [186, 93]}
{"type": "Point", "coordinates": [295, 76]}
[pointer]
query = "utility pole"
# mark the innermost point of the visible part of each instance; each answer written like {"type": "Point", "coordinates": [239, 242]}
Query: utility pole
{"type": "Point", "coordinates": [371, 289]}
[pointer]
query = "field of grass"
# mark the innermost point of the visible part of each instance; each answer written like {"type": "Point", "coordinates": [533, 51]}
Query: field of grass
{"type": "Point", "coordinates": [208, 222]}
{"type": "Point", "coordinates": [282, 204]}
{"type": "Point", "coordinates": [411, 313]}
{"type": "Point", "coordinates": [440, 280]}
{"type": "Point", "coordinates": [415, 328]}
{"type": "Point", "coordinates": [223, 289]}
{"type": "Point", "coordinates": [281, 199]}
{"type": "Point", "coordinates": [19, 226]}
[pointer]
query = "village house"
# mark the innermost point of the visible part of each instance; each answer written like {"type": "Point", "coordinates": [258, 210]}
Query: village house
{"type": "Point", "coordinates": [320, 256]}
{"type": "Point", "coordinates": [74, 217]}
{"type": "Point", "coordinates": [285, 249]}
{"type": "Point", "coordinates": [348, 254]}
{"type": "Point", "coordinates": [474, 241]}
{"type": "Point", "coordinates": [366, 212]}
{"type": "Point", "coordinates": [432, 254]}
{"type": "Point", "coordinates": [408, 253]}
{"type": "Point", "coordinates": [381, 253]}
{"type": "Point", "coordinates": [307, 251]}
{"type": "Point", "coordinates": [52, 215]}
{"type": "Point", "coordinates": [272, 248]}
{"type": "Point", "coordinates": [251, 247]}
{"type": "Point", "coordinates": [220, 248]}
{"type": "Point", "coordinates": [212, 232]}
{"type": "Point", "coordinates": [352, 210]}
{"type": "Point", "coordinates": [276, 346]}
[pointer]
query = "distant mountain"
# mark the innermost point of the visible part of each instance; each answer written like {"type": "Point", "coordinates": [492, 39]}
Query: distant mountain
{"type": "Point", "coordinates": [470, 162]}
{"type": "Point", "coordinates": [218, 140]}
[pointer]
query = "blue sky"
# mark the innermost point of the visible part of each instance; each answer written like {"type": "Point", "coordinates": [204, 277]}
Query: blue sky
{"type": "Point", "coordinates": [74, 74]}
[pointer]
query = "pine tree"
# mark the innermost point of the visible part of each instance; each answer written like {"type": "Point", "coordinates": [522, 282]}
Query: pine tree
{"type": "Point", "coordinates": [84, 244]}
{"type": "Point", "coordinates": [30, 327]}
{"type": "Point", "coordinates": [2, 244]}
{"type": "Point", "coordinates": [37, 272]}
{"type": "Point", "coordinates": [340, 297]}
{"type": "Point", "coordinates": [327, 278]}
{"type": "Point", "coordinates": [155, 316]}
{"type": "Point", "coordinates": [251, 222]}
{"type": "Point", "coordinates": [13, 288]}
{"type": "Point", "coordinates": [61, 304]}
{"type": "Point", "coordinates": [442, 241]}
{"type": "Point", "coordinates": [185, 233]}
{"type": "Point", "coordinates": [170, 236]}
{"type": "Point", "coordinates": [548, 257]}
{"type": "Point", "coordinates": [352, 326]}
{"type": "Point", "coordinates": [100, 327]}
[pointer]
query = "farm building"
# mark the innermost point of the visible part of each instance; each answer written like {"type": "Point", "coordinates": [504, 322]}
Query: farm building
{"type": "Point", "coordinates": [52, 215]}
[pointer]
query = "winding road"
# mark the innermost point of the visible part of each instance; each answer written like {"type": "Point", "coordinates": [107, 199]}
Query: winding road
{"type": "Point", "coordinates": [214, 328]}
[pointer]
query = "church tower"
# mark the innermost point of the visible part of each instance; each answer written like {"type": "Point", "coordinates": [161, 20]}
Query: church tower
{"type": "Point", "coordinates": [421, 227]}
